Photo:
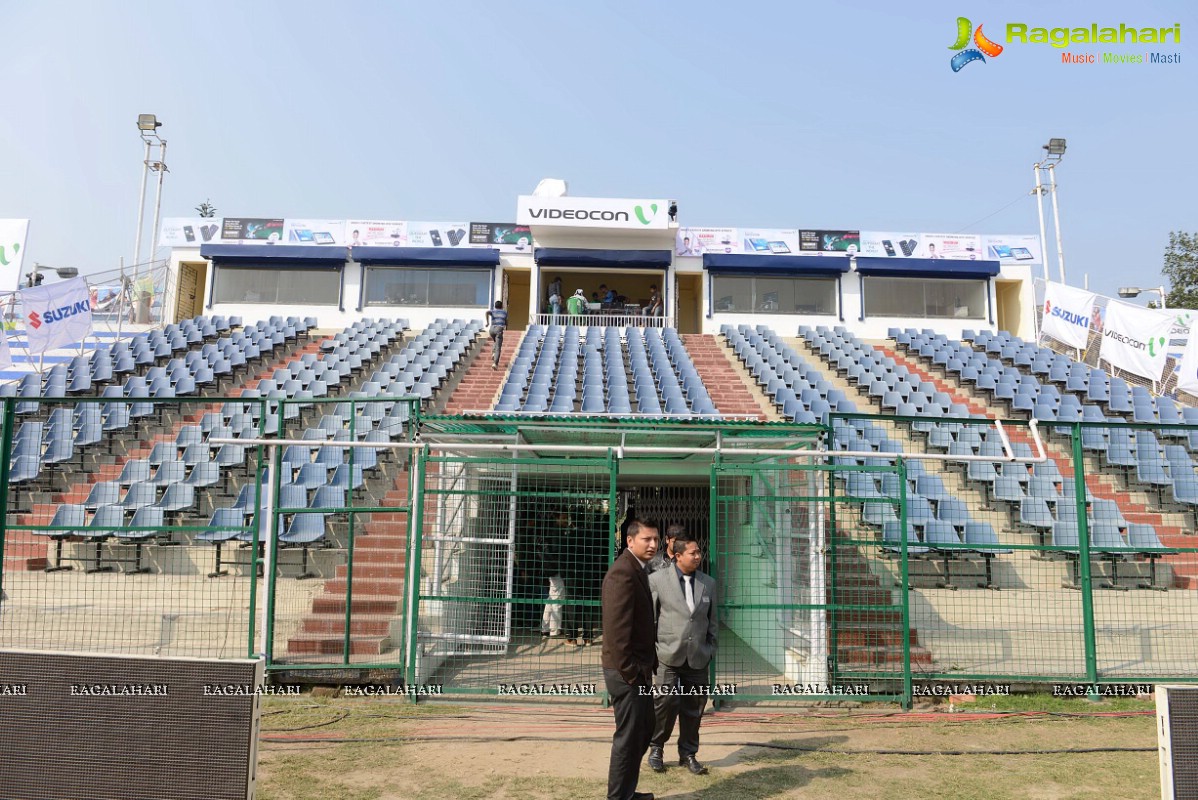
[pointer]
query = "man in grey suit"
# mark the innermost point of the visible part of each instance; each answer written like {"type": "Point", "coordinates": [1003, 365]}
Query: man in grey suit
{"type": "Point", "coordinates": [684, 604]}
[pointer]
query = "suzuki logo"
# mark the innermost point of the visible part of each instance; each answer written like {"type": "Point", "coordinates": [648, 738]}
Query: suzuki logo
{"type": "Point", "coordinates": [35, 320]}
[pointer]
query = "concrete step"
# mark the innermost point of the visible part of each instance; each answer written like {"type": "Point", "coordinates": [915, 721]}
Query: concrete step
{"type": "Point", "coordinates": [381, 587]}
{"type": "Point", "coordinates": [885, 655]}
{"type": "Point", "coordinates": [873, 636]}
{"type": "Point", "coordinates": [368, 571]}
{"type": "Point", "coordinates": [361, 604]}
{"type": "Point", "coordinates": [328, 644]}
{"type": "Point", "coordinates": [360, 624]}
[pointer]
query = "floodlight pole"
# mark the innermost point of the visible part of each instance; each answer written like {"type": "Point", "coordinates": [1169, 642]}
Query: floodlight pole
{"type": "Point", "coordinates": [1056, 220]}
{"type": "Point", "coordinates": [1039, 192]}
{"type": "Point", "coordinates": [160, 166]}
{"type": "Point", "coordinates": [141, 202]}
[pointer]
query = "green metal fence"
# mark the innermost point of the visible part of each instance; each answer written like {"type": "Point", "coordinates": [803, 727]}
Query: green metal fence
{"type": "Point", "coordinates": [439, 566]}
{"type": "Point", "coordinates": [1088, 576]}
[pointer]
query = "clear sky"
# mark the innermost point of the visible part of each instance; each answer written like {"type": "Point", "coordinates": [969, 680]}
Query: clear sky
{"type": "Point", "coordinates": [834, 115]}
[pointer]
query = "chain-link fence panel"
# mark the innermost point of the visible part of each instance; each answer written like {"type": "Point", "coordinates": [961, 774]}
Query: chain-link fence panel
{"type": "Point", "coordinates": [806, 610]}
{"type": "Point", "coordinates": [511, 556]}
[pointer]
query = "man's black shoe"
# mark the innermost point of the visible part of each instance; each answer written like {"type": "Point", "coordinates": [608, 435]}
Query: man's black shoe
{"type": "Point", "coordinates": [656, 761]}
{"type": "Point", "coordinates": [692, 763]}
{"type": "Point", "coordinates": [642, 796]}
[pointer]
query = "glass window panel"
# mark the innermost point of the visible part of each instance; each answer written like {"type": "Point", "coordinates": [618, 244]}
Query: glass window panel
{"type": "Point", "coordinates": [425, 287]}
{"type": "Point", "coordinates": [731, 293]}
{"type": "Point", "coordinates": [925, 298]}
{"type": "Point", "coordinates": [277, 285]}
{"type": "Point", "coordinates": [796, 295]}
{"type": "Point", "coordinates": [774, 295]}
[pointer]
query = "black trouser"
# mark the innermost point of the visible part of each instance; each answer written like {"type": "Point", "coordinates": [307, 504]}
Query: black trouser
{"type": "Point", "coordinates": [496, 344]}
{"type": "Point", "coordinates": [634, 726]}
{"type": "Point", "coordinates": [686, 708]}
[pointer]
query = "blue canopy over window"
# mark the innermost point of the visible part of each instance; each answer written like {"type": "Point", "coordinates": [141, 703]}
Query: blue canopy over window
{"type": "Point", "coordinates": [746, 263]}
{"type": "Point", "coordinates": [428, 256]}
{"type": "Point", "coordinates": [926, 267]}
{"type": "Point", "coordinates": [274, 254]}
{"type": "Point", "coordinates": [624, 259]}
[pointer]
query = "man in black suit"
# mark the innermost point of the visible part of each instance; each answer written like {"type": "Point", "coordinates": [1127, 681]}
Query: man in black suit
{"type": "Point", "coordinates": [629, 659]}
{"type": "Point", "coordinates": [684, 604]}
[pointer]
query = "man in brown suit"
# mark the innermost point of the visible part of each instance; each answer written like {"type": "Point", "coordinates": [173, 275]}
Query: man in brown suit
{"type": "Point", "coordinates": [630, 659]}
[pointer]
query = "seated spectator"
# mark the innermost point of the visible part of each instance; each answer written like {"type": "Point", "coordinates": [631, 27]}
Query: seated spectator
{"type": "Point", "coordinates": [577, 302]}
{"type": "Point", "coordinates": [654, 308]}
{"type": "Point", "coordinates": [607, 296]}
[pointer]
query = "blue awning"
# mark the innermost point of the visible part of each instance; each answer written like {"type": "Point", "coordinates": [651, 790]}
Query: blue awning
{"type": "Point", "coordinates": [745, 264]}
{"type": "Point", "coordinates": [926, 267]}
{"type": "Point", "coordinates": [623, 259]}
{"type": "Point", "coordinates": [428, 256]}
{"type": "Point", "coordinates": [274, 254]}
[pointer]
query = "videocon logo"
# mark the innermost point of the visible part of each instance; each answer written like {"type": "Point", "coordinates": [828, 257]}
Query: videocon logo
{"type": "Point", "coordinates": [983, 46]}
{"type": "Point", "coordinates": [16, 248]}
{"type": "Point", "coordinates": [640, 214]}
{"type": "Point", "coordinates": [1152, 343]}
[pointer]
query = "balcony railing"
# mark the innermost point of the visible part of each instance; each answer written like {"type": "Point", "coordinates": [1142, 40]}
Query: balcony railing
{"type": "Point", "coordinates": [601, 319]}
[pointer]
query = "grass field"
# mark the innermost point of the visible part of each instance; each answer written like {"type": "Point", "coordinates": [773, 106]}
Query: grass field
{"type": "Point", "coordinates": [376, 749]}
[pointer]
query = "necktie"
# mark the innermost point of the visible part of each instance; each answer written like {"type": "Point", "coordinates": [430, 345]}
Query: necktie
{"type": "Point", "coordinates": [690, 591]}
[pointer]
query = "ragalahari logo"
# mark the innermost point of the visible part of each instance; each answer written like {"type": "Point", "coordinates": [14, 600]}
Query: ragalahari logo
{"type": "Point", "coordinates": [984, 47]}
{"type": "Point", "coordinates": [35, 320]}
{"type": "Point", "coordinates": [640, 213]}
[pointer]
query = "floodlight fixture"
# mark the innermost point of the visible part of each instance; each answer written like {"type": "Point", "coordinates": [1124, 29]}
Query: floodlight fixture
{"type": "Point", "coordinates": [148, 122]}
{"type": "Point", "coordinates": [1055, 147]}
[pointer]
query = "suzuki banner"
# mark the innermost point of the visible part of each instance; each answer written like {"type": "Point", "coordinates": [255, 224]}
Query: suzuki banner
{"type": "Point", "coordinates": [5, 353]}
{"type": "Point", "coordinates": [57, 314]}
{"type": "Point", "coordinates": [1136, 339]}
{"type": "Point", "coordinates": [593, 212]}
{"type": "Point", "coordinates": [1067, 314]}
{"type": "Point", "coordinates": [13, 233]}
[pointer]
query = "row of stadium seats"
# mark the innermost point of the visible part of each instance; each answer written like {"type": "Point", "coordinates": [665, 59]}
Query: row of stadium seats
{"type": "Point", "coordinates": [162, 487]}
{"type": "Point", "coordinates": [544, 376]}
{"type": "Point", "coordinates": [1046, 509]}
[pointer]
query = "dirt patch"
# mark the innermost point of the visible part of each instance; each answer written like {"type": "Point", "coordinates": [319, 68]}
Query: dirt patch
{"type": "Point", "coordinates": [377, 750]}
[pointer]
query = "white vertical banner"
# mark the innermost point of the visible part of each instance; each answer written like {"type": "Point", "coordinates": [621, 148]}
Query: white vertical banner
{"type": "Point", "coordinates": [5, 353]}
{"type": "Point", "coordinates": [1067, 314]}
{"type": "Point", "coordinates": [13, 233]}
{"type": "Point", "coordinates": [1187, 373]}
{"type": "Point", "coordinates": [1136, 339]}
{"type": "Point", "coordinates": [57, 314]}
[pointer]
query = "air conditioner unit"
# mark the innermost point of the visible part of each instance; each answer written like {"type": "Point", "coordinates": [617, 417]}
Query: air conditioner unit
{"type": "Point", "coordinates": [76, 725]}
{"type": "Point", "coordinates": [1177, 736]}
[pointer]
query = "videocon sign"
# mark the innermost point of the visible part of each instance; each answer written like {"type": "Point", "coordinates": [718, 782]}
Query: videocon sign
{"type": "Point", "coordinates": [593, 212]}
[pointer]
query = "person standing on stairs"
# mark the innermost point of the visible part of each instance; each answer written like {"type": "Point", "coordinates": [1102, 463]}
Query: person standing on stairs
{"type": "Point", "coordinates": [497, 320]}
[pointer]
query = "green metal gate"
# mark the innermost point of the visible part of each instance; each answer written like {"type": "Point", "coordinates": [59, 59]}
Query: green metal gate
{"type": "Point", "coordinates": [506, 547]}
{"type": "Point", "coordinates": [809, 611]}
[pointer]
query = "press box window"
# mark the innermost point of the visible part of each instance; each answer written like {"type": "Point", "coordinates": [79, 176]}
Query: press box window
{"type": "Point", "coordinates": [278, 285]}
{"type": "Point", "coordinates": [773, 295]}
{"type": "Point", "coordinates": [402, 286]}
{"type": "Point", "coordinates": [925, 298]}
